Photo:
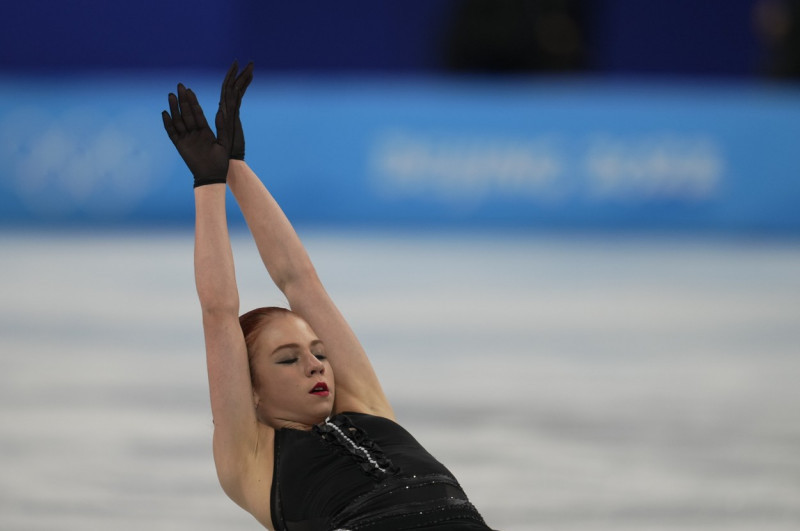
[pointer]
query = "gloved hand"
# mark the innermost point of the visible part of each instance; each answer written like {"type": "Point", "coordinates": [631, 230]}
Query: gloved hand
{"type": "Point", "coordinates": [233, 88]}
{"type": "Point", "coordinates": [204, 154]}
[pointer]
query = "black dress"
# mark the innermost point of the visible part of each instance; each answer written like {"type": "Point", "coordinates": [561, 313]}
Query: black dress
{"type": "Point", "coordinates": [362, 472]}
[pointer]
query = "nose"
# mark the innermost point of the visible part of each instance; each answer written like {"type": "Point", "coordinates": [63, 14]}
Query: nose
{"type": "Point", "coordinates": [314, 366]}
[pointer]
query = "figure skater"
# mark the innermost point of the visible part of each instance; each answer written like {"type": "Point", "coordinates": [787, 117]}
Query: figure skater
{"type": "Point", "coordinates": [304, 437]}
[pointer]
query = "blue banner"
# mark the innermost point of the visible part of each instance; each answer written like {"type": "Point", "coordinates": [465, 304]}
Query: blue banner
{"type": "Point", "coordinates": [530, 153]}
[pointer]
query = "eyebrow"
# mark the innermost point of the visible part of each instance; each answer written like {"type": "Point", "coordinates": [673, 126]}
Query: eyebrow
{"type": "Point", "coordinates": [296, 345]}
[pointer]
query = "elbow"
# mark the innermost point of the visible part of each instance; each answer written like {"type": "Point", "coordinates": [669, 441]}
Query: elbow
{"type": "Point", "coordinates": [219, 302]}
{"type": "Point", "coordinates": [217, 311]}
{"type": "Point", "coordinates": [297, 276]}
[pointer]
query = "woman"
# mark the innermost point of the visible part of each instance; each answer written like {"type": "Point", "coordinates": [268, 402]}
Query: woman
{"type": "Point", "coordinates": [304, 437]}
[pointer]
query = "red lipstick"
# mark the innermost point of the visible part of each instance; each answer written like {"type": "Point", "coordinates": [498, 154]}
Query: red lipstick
{"type": "Point", "coordinates": [320, 389]}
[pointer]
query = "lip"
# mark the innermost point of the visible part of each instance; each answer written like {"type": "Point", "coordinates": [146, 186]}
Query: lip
{"type": "Point", "coordinates": [320, 389]}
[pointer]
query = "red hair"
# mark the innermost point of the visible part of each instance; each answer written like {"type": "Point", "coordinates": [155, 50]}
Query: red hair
{"type": "Point", "coordinates": [254, 321]}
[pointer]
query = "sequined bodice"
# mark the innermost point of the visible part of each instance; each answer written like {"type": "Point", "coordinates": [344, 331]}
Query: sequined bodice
{"type": "Point", "coordinates": [358, 471]}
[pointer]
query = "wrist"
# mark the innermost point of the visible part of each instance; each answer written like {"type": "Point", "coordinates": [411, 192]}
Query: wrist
{"type": "Point", "coordinates": [213, 172]}
{"type": "Point", "coordinates": [236, 167]}
{"type": "Point", "coordinates": [210, 188]}
{"type": "Point", "coordinates": [206, 182]}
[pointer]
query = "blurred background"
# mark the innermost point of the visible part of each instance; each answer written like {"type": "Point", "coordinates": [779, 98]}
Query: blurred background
{"type": "Point", "coordinates": [566, 231]}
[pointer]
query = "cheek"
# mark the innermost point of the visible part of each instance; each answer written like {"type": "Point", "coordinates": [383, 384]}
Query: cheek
{"type": "Point", "coordinates": [272, 384]}
{"type": "Point", "coordinates": [262, 378]}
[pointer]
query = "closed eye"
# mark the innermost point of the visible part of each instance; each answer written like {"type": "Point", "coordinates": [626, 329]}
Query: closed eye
{"type": "Point", "coordinates": [287, 361]}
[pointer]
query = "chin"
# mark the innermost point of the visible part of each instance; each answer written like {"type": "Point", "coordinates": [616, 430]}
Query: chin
{"type": "Point", "coordinates": [325, 413]}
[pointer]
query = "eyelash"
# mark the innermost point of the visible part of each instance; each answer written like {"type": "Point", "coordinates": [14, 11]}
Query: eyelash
{"type": "Point", "coordinates": [320, 357]}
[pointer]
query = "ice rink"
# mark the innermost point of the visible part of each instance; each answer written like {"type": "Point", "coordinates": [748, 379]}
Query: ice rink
{"type": "Point", "coordinates": [570, 382]}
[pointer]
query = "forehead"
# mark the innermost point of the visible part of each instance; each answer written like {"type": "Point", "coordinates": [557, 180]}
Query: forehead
{"type": "Point", "coordinates": [282, 330]}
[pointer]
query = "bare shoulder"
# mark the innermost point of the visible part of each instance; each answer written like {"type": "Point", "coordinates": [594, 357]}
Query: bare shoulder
{"type": "Point", "coordinates": [351, 403]}
{"type": "Point", "coordinates": [248, 480]}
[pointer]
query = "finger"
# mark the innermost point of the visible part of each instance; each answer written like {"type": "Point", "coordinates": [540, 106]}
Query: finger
{"type": "Point", "coordinates": [169, 127]}
{"type": "Point", "coordinates": [197, 110]}
{"type": "Point", "coordinates": [229, 76]}
{"type": "Point", "coordinates": [227, 84]}
{"type": "Point", "coordinates": [232, 72]}
{"type": "Point", "coordinates": [219, 122]}
{"type": "Point", "coordinates": [177, 119]}
{"type": "Point", "coordinates": [243, 80]}
{"type": "Point", "coordinates": [186, 109]}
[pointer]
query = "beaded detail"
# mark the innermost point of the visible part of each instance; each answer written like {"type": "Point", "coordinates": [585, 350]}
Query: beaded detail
{"type": "Point", "coordinates": [358, 445]}
{"type": "Point", "coordinates": [375, 495]}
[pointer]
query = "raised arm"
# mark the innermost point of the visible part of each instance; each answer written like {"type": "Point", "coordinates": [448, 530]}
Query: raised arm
{"type": "Point", "coordinates": [236, 429]}
{"type": "Point", "coordinates": [288, 264]}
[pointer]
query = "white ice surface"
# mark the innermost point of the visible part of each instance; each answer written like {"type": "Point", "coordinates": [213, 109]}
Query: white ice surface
{"type": "Point", "coordinates": [570, 383]}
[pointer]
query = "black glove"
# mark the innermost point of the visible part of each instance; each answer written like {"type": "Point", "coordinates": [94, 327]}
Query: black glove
{"type": "Point", "coordinates": [233, 88]}
{"type": "Point", "coordinates": [203, 153]}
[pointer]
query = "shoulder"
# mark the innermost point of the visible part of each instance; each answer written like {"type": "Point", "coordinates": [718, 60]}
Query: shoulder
{"type": "Point", "coordinates": [349, 403]}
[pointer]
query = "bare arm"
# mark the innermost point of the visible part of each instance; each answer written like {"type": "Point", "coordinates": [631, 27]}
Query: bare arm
{"type": "Point", "coordinates": [237, 433]}
{"type": "Point", "coordinates": [286, 260]}
{"type": "Point", "coordinates": [235, 423]}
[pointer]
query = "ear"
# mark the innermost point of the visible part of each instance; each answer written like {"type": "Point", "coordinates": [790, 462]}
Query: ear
{"type": "Point", "coordinates": [256, 400]}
